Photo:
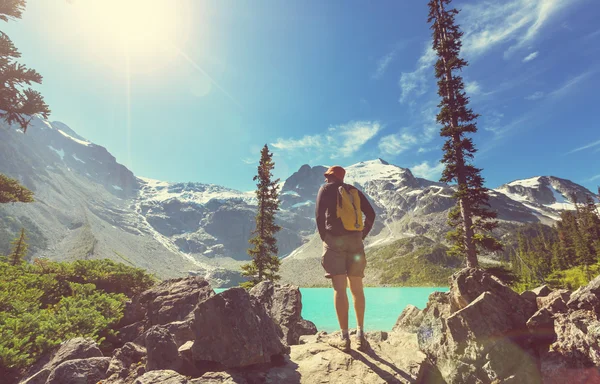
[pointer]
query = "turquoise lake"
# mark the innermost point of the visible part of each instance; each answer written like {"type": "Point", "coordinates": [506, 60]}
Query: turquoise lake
{"type": "Point", "coordinates": [384, 305]}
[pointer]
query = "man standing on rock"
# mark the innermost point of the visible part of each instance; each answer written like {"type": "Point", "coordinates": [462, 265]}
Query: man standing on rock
{"type": "Point", "coordinates": [339, 214]}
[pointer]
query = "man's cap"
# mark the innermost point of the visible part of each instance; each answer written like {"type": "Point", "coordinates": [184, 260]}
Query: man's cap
{"type": "Point", "coordinates": [336, 171]}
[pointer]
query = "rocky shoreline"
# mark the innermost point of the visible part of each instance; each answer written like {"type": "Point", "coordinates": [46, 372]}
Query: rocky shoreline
{"type": "Point", "coordinates": [480, 331]}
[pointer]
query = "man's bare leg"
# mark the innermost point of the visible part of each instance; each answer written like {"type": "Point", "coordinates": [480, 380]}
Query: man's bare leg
{"type": "Point", "coordinates": [358, 297]}
{"type": "Point", "coordinates": [340, 300]}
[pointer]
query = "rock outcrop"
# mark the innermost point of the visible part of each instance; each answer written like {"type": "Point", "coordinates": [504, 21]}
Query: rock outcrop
{"type": "Point", "coordinates": [481, 331]}
{"type": "Point", "coordinates": [78, 348]}
{"type": "Point", "coordinates": [233, 331]}
{"type": "Point", "coordinates": [284, 304]}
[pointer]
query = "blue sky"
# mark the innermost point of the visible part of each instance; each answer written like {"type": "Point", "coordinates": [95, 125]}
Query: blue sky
{"type": "Point", "coordinates": [198, 87]}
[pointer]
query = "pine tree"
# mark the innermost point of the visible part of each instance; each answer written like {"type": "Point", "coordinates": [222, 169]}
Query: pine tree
{"type": "Point", "coordinates": [471, 219]}
{"type": "Point", "coordinates": [13, 192]}
{"type": "Point", "coordinates": [17, 104]}
{"type": "Point", "coordinates": [265, 262]}
{"type": "Point", "coordinates": [19, 251]}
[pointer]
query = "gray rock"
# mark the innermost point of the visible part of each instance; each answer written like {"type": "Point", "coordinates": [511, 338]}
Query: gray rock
{"type": "Point", "coordinates": [220, 378]}
{"type": "Point", "coordinates": [162, 377]}
{"type": "Point", "coordinates": [77, 348]}
{"type": "Point", "coordinates": [541, 327]}
{"type": "Point", "coordinates": [575, 356]}
{"type": "Point", "coordinates": [284, 304]}
{"type": "Point", "coordinates": [127, 362]}
{"type": "Point", "coordinates": [469, 283]}
{"type": "Point", "coordinates": [80, 371]}
{"type": "Point", "coordinates": [529, 296]}
{"type": "Point", "coordinates": [170, 302]}
{"type": "Point", "coordinates": [162, 350]}
{"type": "Point", "coordinates": [578, 337]}
{"type": "Point", "coordinates": [409, 320]}
{"type": "Point", "coordinates": [478, 338]}
{"type": "Point", "coordinates": [587, 297]}
{"type": "Point", "coordinates": [233, 331]}
{"type": "Point", "coordinates": [542, 291]}
{"type": "Point", "coordinates": [556, 301]}
{"type": "Point", "coordinates": [175, 299]}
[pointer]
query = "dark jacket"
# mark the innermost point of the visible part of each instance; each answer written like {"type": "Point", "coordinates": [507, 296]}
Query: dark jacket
{"type": "Point", "coordinates": [325, 211]}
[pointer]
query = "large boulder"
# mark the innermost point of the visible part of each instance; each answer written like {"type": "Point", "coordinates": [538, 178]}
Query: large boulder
{"type": "Point", "coordinates": [587, 297]}
{"type": "Point", "coordinates": [126, 364]}
{"type": "Point", "coordinates": [77, 348]}
{"type": "Point", "coordinates": [174, 300]}
{"type": "Point", "coordinates": [409, 320]}
{"type": "Point", "coordinates": [541, 324]}
{"type": "Point", "coordinates": [476, 332]}
{"type": "Point", "coordinates": [468, 284]}
{"type": "Point", "coordinates": [231, 330]}
{"type": "Point", "coordinates": [80, 371]}
{"type": "Point", "coordinates": [575, 356]}
{"type": "Point", "coordinates": [162, 377]}
{"type": "Point", "coordinates": [555, 302]}
{"type": "Point", "coordinates": [170, 301]}
{"type": "Point", "coordinates": [284, 304]}
{"type": "Point", "coordinates": [161, 349]}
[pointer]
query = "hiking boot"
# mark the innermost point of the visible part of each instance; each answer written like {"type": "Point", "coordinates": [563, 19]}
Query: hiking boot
{"type": "Point", "coordinates": [361, 343]}
{"type": "Point", "coordinates": [341, 343]}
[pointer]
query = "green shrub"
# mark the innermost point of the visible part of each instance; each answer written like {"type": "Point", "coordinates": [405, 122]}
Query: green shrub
{"type": "Point", "coordinates": [44, 304]}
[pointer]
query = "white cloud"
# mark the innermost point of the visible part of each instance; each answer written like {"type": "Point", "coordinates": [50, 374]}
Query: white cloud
{"type": "Point", "coordinates": [426, 171]}
{"type": "Point", "coordinates": [303, 143]}
{"type": "Point", "coordinates": [341, 140]}
{"type": "Point", "coordinates": [425, 150]}
{"type": "Point", "coordinates": [535, 96]}
{"type": "Point", "coordinates": [355, 134]}
{"type": "Point", "coordinates": [249, 161]}
{"type": "Point", "coordinates": [515, 22]}
{"type": "Point", "coordinates": [472, 88]}
{"type": "Point", "coordinates": [397, 143]}
{"type": "Point", "coordinates": [415, 84]}
{"type": "Point", "coordinates": [531, 56]}
{"type": "Point", "coordinates": [592, 145]}
{"type": "Point", "coordinates": [593, 178]}
{"type": "Point", "coordinates": [384, 63]}
{"type": "Point", "coordinates": [566, 87]}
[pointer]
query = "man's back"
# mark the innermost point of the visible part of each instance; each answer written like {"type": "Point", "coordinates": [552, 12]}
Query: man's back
{"type": "Point", "coordinates": [326, 212]}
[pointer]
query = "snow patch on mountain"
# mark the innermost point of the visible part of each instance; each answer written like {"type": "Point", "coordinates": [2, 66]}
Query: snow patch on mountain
{"type": "Point", "coordinates": [77, 158]}
{"type": "Point", "coordinates": [162, 191]}
{"type": "Point", "coordinates": [59, 152]}
{"type": "Point", "coordinates": [529, 183]}
{"type": "Point", "coordinates": [86, 143]}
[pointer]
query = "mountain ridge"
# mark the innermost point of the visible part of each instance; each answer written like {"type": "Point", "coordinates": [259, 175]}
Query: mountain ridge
{"type": "Point", "coordinates": [89, 205]}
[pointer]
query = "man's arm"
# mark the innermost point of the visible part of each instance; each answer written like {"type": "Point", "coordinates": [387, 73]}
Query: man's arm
{"type": "Point", "coordinates": [369, 212]}
{"type": "Point", "coordinates": [320, 209]}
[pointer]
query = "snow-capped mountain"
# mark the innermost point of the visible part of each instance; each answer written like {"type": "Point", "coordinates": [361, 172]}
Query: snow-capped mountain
{"type": "Point", "coordinates": [90, 206]}
{"type": "Point", "coordinates": [546, 195]}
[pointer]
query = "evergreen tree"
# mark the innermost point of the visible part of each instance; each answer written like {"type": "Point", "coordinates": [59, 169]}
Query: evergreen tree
{"type": "Point", "coordinates": [13, 192]}
{"type": "Point", "coordinates": [19, 251]}
{"type": "Point", "coordinates": [471, 219]}
{"type": "Point", "coordinates": [17, 104]}
{"type": "Point", "coordinates": [265, 262]}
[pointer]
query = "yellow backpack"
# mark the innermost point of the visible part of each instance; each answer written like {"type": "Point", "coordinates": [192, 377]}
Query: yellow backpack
{"type": "Point", "coordinates": [348, 208]}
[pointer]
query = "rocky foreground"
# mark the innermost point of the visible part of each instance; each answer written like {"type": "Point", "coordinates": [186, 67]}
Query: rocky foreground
{"type": "Point", "coordinates": [181, 332]}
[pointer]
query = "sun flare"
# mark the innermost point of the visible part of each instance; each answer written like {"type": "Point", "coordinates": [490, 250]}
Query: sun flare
{"type": "Point", "coordinates": [143, 31]}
